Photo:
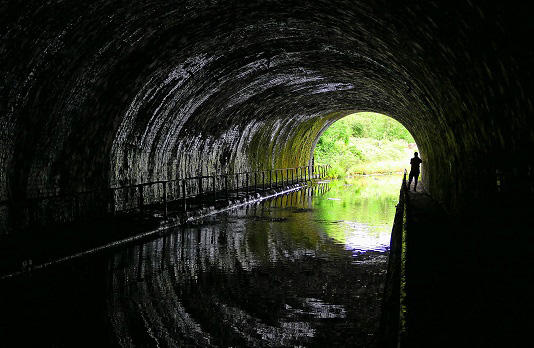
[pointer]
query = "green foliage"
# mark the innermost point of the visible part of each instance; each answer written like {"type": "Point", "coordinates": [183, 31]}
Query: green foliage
{"type": "Point", "coordinates": [369, 125]}
{"type": "Point", "coordinates": [364, 143]}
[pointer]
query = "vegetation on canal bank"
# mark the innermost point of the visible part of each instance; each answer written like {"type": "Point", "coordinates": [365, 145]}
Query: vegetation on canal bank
{"type": "Point", "coordinates": [365, 143]}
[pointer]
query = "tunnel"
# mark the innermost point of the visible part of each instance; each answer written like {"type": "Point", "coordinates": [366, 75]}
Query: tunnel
{"type": "Point", "coordinates": [106, 94]}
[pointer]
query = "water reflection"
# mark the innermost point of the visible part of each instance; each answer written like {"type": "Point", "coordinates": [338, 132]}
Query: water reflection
{"type": "Point", "coordinates": [359, 212]}
{"type": "Point", "coordinates": [299, 270]}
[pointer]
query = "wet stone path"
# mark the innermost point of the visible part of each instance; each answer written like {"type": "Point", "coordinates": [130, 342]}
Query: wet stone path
{"type": "Point", "coordinates": [305, 269]}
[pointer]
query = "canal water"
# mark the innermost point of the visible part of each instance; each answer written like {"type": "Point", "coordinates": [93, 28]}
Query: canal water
{"type": "Point", "coordinates": [300, 270]}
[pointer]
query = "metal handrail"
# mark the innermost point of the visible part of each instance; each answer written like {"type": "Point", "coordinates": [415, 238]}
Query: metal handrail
{"type": "Point", "coordinates": [182, 185]}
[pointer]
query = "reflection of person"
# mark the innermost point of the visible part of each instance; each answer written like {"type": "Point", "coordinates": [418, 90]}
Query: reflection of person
{"type": "Point", "coordinates": [414, 172]}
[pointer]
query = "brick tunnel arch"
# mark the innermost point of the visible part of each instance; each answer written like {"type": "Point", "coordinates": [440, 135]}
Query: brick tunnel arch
{"type": "Point", "coordinates": [100, 94]}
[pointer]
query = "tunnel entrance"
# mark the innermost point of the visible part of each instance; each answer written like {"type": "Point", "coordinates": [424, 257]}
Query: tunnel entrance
{"type": "Point", "coordinates": [365, 143]}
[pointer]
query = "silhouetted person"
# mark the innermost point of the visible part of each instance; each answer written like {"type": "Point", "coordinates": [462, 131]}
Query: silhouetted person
{"type": "Point", "coordinates": [414, 172]}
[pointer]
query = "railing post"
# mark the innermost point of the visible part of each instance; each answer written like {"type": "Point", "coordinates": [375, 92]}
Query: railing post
{"type": "Point", "coordinates": [287, 177]}
{"type": "Point", "coordinates": [255, 182]}
{"type": "Point", "coordinates": [165, 211]}
{"type": "Point", "coordinates": [292, 176]}
{"type": "Point", "coordinates": [263, 180]}
{"type": "Point", "coordinates": [226, 186]}
{"type": "Point", "coordinates": [275, 179]}
{"type": "Point", "coordinates": [141, 199]}
{"type": "Point", "coordinates": [237, 185]}
{"type": "Point", "coordinates": [184, 194]}
{"type": "Point", "coordinates": [246, 182]}
{"type": "Point", "coordinates": [200, 191]}
{"type": "Point", "coordinates": [270, 179]}
{"type": "Point", "coordinates": [214, 190]}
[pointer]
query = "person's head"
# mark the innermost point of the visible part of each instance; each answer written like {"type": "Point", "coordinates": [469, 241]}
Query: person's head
{"type": "Point", "coordinates": [416, 154]}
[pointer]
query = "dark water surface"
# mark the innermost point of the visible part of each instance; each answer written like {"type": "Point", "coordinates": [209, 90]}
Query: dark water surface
{"type": "Point", "coordinates": [305, 269]}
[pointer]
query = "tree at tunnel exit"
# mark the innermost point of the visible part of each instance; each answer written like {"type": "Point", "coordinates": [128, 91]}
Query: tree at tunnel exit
{"type": "Point", "coordinates": [364, 143]}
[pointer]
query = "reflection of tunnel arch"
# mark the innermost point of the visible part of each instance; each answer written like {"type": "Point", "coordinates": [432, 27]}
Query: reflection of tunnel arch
{"type": "Point", "coordinates": [97, 94]}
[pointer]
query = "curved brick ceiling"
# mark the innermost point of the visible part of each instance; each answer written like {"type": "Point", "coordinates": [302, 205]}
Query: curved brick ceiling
{"type": "Point", "coordinates": [108, 93]}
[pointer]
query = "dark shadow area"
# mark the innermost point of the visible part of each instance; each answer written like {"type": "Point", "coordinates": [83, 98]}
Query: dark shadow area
{"type": "Point", "coordinates": [462, 282]}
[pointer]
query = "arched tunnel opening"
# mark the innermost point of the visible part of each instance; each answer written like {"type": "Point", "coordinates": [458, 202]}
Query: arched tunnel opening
{"type": "Point", "coordinates": [364, 143]}
{"type": "Point", "coordinates": [101, 95]}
